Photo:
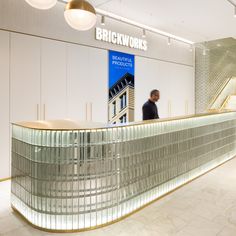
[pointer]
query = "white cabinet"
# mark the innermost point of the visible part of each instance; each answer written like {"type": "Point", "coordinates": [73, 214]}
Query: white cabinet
{"type": "Point", "coordinates": [182, 89]}
{"type": "Point", "coordinates": [53, 80]}
{"type": "Point", "coordinates": [77, 74]}
{"type": "Point", "coordinates": [47, 79]}
{"type": "Point", "coordinates": [38, 78]}
{"type": "Point", "coordinates": [25, 77]}
{"type": "Point", "coordinates": [87, 83]}
{"type": "Point", "coordinates": [56, 80]}
{"type": "Point", "coordinates": [4, 106]}
{"type": "Point", "coordinates": [98, 84]}
{"type": "Point", "coordinates": [175, 82]}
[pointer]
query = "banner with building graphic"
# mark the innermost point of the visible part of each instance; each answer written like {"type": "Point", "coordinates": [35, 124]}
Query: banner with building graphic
{"type": "Point", "coordinates": [121, 87]}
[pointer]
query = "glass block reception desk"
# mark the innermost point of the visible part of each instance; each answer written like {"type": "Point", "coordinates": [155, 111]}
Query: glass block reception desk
{"type": "Point", "coordinates": [71, 178]}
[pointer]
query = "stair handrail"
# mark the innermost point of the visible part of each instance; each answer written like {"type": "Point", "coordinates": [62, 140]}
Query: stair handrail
{"type": "Point", "coordinates": [225, 102]}
{"type": "Point", "coordinates": [219, 92]}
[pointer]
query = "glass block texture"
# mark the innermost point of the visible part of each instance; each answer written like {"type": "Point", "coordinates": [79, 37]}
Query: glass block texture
{"type": "Point", "coordinates": [213, 69]}
{"type": "Point", "coordinates": [78, 179]}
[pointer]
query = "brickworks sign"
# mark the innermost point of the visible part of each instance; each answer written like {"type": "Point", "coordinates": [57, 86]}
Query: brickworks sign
{"type": "Point", "coordinates": [120, 39]}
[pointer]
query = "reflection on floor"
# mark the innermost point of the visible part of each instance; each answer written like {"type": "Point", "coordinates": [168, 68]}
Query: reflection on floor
{"type": "Point", "coordinates": [205, 207]}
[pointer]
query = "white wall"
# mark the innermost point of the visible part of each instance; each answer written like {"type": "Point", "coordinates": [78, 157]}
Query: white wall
{"type": "Point", "coordinates": [18, 16]}
{"type": "Point", "coordinates": [175, 82]}
{"type": "Point", "coordinates": [4, 105]}
{"type": "Point", "coordinates": [67, 70]}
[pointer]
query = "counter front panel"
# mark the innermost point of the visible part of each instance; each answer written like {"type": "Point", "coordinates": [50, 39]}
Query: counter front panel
{"type": "Point", "coordinates": [76, 179]}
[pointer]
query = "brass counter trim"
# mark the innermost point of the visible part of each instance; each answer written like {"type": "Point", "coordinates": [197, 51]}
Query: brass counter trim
{"type": "Point", "coordinates": [5, 179]}
{"type": "Point", "coordinates": [219, 92]}
{"type": "Point", "coordinates": [121, 218]}
{"type": "Point", "coordinates": [29, 125]}
{"type": "Point", "coordinates": [224, 103]}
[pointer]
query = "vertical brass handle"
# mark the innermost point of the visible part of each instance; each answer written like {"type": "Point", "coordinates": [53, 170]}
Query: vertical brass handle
{"type": "Point", "coordinates": [44, 111]}
{"type": "Point", "coordinates": [37, 111]}
{"type": "Point", "coordinates": [86, 111]}
{"type": "Point", "coordinates": [91, 111]}
{"type": "Point", "coordinates": [169, 108]}
{"type": "Point", "coordinates": [186, 107]}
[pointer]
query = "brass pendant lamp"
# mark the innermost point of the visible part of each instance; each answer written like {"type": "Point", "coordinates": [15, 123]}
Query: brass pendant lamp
{"type": "Point", "coordinates": [80, 14]}
{"type": "Point", "coordinates": [42, 4]}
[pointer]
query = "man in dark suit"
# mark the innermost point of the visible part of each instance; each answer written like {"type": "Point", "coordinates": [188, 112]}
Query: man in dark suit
{"type": "Point", "coordinates": [149, 108]}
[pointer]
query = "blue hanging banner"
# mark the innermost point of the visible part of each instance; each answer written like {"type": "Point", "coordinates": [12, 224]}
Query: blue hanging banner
{"type": "Point", "coordinates": [121, 87]}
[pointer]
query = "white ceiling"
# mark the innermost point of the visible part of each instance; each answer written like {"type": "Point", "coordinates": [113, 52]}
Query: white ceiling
{"type": "Point", "coordinates": [195, 20]}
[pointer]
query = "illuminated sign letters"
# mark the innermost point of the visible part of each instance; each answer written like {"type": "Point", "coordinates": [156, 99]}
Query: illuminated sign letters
{"type": "Point", "coordinates": [120, 39]}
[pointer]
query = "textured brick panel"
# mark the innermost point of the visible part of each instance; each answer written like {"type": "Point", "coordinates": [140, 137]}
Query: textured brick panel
{"type": "Point", "coordinates": [213, 69]}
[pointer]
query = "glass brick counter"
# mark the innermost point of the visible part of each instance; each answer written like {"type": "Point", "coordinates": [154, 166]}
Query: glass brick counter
{"type": "Point", "coordinates": [70, 178]}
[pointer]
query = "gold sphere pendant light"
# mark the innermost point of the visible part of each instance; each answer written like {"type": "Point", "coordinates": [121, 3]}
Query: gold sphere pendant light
{"type": "Point", "coordinates": [80, 14]}
{"type": "Point", "coordinates": [42, 4]}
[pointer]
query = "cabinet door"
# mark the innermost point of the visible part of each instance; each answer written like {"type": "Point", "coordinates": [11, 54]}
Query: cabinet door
{"type": "Point", "coordinates": [25, 77]}
{"type": "Point", "coordinates": [175, 82]}
{"type": "Point", "coordinates": [78, 78]}
{"type": "Point", "coordinates": [53, 77]}
{"type": "Point", "coordinates": [4, 106]}
{"type": "Point", "coordinates": [87, 83]}
{"type": "Point", "coordinates": [98, 84]}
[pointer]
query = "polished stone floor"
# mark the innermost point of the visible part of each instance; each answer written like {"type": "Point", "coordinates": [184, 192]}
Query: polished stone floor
{"type": "Point", "coordinates": [204, 207]}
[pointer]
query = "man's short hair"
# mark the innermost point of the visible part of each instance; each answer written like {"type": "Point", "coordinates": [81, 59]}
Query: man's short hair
{"type": "Point", "coordinates": [153, 92]}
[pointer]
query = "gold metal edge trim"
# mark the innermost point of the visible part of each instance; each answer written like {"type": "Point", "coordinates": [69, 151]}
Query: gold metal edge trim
{"type": "Point", "coordinates": [5, 179]}
{"type": "Point", "coordinates": [219, 92]}
{"type": "Point", "coordinates": [224, 103]}
{"type": "Point", "coordinates": [79, 4]}
{"type": "Point", "coordinates": [138, 123]}
{"type": "Point", "coordinates": [123, 217]}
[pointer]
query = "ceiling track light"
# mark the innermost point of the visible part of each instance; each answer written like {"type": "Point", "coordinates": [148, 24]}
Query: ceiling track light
{"type": "Point", "coordinates": [144, 33]}
{"type": "Point", "coordinates": [42, 4]}
{"type": "Point", "coordinates": [234, 11]}
{"type": "Point", "coordinates": [102, 20]}
{"type": "Point", "coordinates": [141, 26]}
{"type": "Point", "coordinates": [80, 14]}
{"type": "Point", "coordinates": [169, 41]}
